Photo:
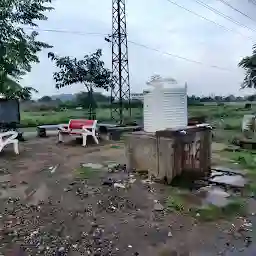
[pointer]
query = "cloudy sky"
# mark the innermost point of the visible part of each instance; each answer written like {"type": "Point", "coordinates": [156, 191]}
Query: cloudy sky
{"type": "Point", "coordinates": [157, 24]}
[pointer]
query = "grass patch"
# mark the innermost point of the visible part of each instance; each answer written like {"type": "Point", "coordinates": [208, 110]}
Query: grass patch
{"type": "Point", "coordinates": [251, 188]}
{"type": "Point", "coordinates": [175, 203]}
{"type": "Point", "coordinates": [115, 146]}
{"type": "Point", "coordinates": [87, 172]}
{"type": "Point", "coordinates": [211, 212]}
{"type": "Point", "coordinates": [187, 203]}
{"type": "Point", "coordinates": [246, 159]}
{"type": "Point", "coordinates": [35, 118]}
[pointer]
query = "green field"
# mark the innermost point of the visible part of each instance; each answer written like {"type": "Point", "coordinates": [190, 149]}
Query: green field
{"type": "Point", "coordinates": [32, 119]}
{"type": "Point", "coordinates": [227, 117]}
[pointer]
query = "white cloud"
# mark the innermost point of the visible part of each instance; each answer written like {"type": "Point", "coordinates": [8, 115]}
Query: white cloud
{"type": "Point", "coordinates": [157, 24]}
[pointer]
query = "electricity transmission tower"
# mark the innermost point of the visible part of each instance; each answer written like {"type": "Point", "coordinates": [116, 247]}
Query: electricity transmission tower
{"type": "Point", "coordinates": [120, 91]}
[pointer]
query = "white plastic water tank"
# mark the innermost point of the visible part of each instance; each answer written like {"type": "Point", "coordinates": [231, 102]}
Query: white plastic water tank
{"type": "Point", "coordinates": [165, 107]}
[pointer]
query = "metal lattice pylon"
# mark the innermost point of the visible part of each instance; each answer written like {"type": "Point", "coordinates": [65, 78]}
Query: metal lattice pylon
{"type": "Point", "coordinates": [120, 91]}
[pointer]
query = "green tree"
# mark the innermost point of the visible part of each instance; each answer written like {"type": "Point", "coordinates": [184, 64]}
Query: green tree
{"type": "Point", "coordinates": [83, 100]}
{"type": "Point", "coordinates": [45, 99]}
{"type": "Point", "coordinates": [18, 49]}
{"type": "Point", "coordinates": [13, 90]}
{"type": "Point", "coordinates": [89, 71]}
{"type": "Point", "coordinates": [249, 65]}
{"type": "Point", "coordinates": [251, 97]}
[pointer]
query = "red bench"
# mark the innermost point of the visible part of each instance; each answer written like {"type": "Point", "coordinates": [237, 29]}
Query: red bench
{"type": "Point", "coordinates": [79, 128]}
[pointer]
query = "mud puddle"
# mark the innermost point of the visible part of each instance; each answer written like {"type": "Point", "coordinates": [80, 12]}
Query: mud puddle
{"type": "Point", "coordinates": [218, 188]}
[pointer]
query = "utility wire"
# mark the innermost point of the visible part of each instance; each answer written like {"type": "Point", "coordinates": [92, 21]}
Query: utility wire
{"type": "Point", "coordinates": [204, 18]}
{"type": "Point", "coordinates": [180, 57]}
{"type": "Point", "coordinates": [223, 15]}
{"type": "Point", "coordinates": [253, 2]}
{"type": "Point", "coordinates": [235, 9]}
{"type": "Point", "coordinates": [65, 31]}
{"type": "Point", "coordinates": [137, 44]}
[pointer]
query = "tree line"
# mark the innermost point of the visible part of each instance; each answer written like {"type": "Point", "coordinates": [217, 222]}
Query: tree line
{"type": "Point", "coordinates": [82, 100]}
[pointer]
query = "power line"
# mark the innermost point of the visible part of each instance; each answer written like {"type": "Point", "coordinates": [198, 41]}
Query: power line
{"type": "Point", "coordinates": [202, 17]}
{"type": "Point", "coordinates": [179, 57]}
{"type": "Point", "coordinates": [140, 45]}
{"type": "Point", "coordinates": [223, 15]}
{"type": "Point", "coordinates": [237, 10]}
{"type": "Point", "coordinates": [253, 2]}
{"type": "Point", "coordinates": [66, 31]}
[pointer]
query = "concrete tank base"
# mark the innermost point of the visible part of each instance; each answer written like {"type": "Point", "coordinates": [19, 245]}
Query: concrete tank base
{"type": "Point", "coordinates": [166, 154]}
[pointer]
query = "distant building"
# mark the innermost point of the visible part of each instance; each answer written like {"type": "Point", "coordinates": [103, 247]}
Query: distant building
{"type": "Point", "coordinates": [138, 96]}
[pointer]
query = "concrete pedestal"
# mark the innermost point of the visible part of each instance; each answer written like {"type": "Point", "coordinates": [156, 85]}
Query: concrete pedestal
{"type": "Point", "coordinates": [168, 153]}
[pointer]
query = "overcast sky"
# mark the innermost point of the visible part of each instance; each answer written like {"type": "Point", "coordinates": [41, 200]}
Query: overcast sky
{"type": "Point", "coordinates": [157, 24]}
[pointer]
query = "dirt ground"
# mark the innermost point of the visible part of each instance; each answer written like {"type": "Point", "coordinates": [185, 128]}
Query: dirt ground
{"type": "Point", "coordinates": [48, 209]}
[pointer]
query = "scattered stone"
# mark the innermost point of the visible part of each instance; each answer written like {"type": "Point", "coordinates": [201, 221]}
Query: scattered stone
{"type": "Point", "coordinates": [41, 248]}
{"type": "Point", "coordinates": [129, 246]}
{"type": "Point", "coordinates": [158, 206]}
{"type": "Point", "coordinates": [147, 181]}
{"type": "Point", "coordinates": [169, 234]}
{"type": "Point", "coordinates": [112, 165]}
{"type": "Point", "coordinates": [75, 246]}
{"type": "Point", "coordinates": [119, 185]}
{"type": "Point", "coordinates": [94, 224]}
{"type": "Point", "coordinates": [131, 181]}
{"type": "Point", "coordinates": [93, 166]}
{"type": "Point", "coordinates": [248, 241]}
{"type": "Point", "coordinates": [61, 249]}
{"type": "Point", "coordinates": [53, 170]}
{"type": "Point", "coordinates": [108, 182]}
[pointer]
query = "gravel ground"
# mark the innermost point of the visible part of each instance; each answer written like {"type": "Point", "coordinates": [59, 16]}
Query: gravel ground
{"type": "Point", "coordinates": [48, 209]}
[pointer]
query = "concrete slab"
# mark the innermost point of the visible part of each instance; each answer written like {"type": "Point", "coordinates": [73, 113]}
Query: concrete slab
{"type": "Point", "coordinates": [230, 180]}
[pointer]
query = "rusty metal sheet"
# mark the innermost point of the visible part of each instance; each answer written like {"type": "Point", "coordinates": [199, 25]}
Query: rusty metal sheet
{"type": "Point", "coordinates": [167, 157]}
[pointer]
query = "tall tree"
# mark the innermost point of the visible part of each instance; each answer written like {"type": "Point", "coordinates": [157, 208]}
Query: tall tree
{"type": "Point", "coordinates": [45, 99]}
{"type": "Point", "coordinates": [249, 65]}
{"type": "Point", "coordinates": [89, 71]}
{"type": "Point", "coordinates": [12, 90]}
{"type": "Point", "coordinates": [18, 49]}
{"type": "Point", "coordinates": [83, 100]}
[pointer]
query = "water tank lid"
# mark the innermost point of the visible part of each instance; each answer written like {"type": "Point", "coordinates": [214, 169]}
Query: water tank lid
{"type": "Point", "coordinates": [169, 82]}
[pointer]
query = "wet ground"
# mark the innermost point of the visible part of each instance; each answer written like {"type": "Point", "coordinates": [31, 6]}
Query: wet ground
{"type": "Point", "coordinates": [62, 199]}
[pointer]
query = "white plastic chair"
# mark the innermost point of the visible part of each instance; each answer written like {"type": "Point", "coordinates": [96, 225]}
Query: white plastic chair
{"type": "Point", "coordinates": [81, 128]}
{"type": "Point", "coordinates": [90, 130]}
{"type": "Point", "coordinates": [9, 138]}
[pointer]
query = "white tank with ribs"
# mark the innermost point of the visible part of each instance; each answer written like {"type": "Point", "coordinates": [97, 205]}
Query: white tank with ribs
{"type": "Point", "coordinates": [165, 106]}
